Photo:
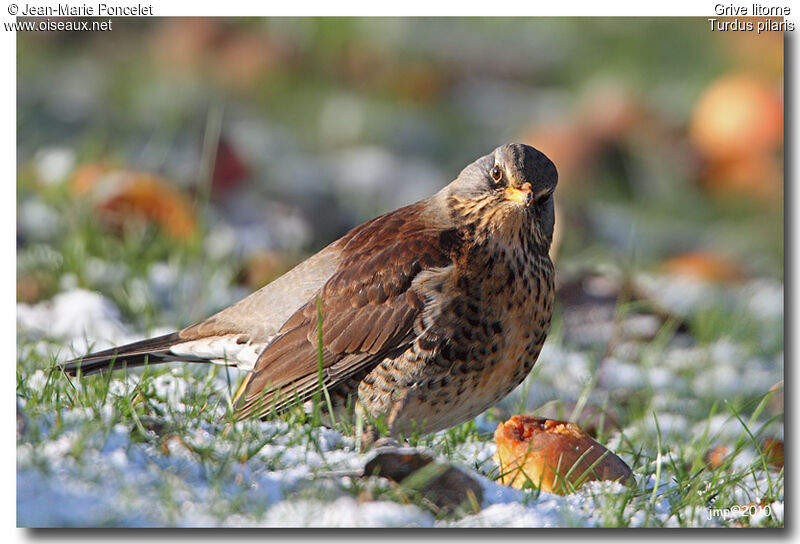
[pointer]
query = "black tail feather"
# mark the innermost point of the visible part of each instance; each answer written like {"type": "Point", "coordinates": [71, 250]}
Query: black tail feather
{"type": "Point", "coordinates": [150, 351]}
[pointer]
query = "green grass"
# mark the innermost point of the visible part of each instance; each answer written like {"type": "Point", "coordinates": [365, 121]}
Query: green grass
{"type": "Point", "coordinates": [90, 409]}
{"type": "Point", "coordinates": [173, 451]}
{"type": "Point", "coordinates": [690, 491]}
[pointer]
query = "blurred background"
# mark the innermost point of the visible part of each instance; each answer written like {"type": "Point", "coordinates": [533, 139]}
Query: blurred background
{"type": "Point", "coordinates": [169, 167]}
{"type": "Point", "coordinates": [240, 146]}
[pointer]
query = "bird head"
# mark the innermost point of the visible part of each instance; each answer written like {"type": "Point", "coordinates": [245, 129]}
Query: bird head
{"type": "Point", "coordinates": [505, 192]}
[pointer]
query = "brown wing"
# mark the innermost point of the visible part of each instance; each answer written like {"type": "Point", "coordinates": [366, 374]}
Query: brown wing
{"type": "Point", "coordinates": [368, 310]}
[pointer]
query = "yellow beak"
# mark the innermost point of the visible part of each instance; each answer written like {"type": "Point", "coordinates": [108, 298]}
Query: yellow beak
{"type": "Point", "coordinates": [523, 195]}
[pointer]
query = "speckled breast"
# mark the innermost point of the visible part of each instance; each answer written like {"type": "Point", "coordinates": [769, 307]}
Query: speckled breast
{"type": "Point", "coordinates": [504, 338]}
{"type": "Point", "coordinates": [497, 321]}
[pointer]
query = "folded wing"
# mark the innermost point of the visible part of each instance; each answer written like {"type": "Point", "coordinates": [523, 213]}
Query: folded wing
{"type": "Point", "coordinates": [368, 310]}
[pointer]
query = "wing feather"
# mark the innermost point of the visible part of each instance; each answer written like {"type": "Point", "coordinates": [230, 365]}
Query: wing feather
{"type": "Point", "coordinates": [368, 308]}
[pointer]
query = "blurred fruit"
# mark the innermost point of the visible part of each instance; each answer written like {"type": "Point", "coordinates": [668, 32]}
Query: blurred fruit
{"type": "Point", "coordinates": [759, 176]}
{"type": "Point", "coordinates": [737, 115]}
{"type": "Point", "coordinates": [151, 198]}
{"type": "Point", "coordinates": [592, 419]}
{"type": "Point", "coordinates": [704, 266]}
{"type": "Point", "coordinates": [121, 196]}
{"type": "Point", "coordinates": [556, 456]}
{"type": "Point", "coordinates": [715, 457]}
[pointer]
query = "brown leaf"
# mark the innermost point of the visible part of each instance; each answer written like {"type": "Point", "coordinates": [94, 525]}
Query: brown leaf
{"type": "Point", "coordinates": [396, 464]}
{"type": "Point", "coordinates": [442, 487]}
{"type": "Point", "coordinates": [772, 449]}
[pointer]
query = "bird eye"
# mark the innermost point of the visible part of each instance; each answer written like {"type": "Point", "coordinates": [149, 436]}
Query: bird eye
{"type": "Point", "coordinates": [497, 174]}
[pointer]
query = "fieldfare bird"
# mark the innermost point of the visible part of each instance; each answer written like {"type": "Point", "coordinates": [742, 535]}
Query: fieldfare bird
{"type": "Point", "coordinates": [430, 313]}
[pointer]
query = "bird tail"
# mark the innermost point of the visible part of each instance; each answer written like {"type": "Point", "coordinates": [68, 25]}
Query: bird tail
{"type": "Point", "coordinates": [150, 351]}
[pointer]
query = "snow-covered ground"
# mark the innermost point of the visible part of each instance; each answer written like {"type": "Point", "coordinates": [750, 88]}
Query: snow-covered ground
{"type": "Point", "coordinates": [87, 464]}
